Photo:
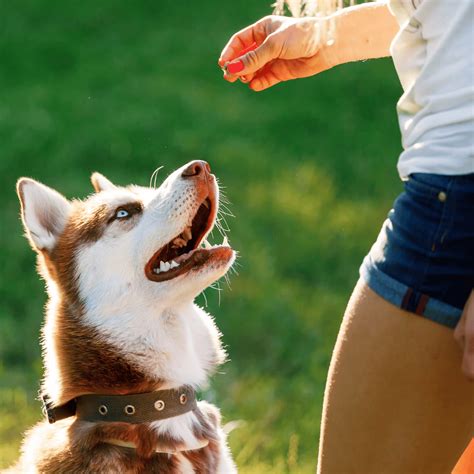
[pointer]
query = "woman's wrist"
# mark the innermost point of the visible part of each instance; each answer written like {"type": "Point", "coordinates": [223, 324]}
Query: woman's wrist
{"type": "Point", "coordinates": [361, 32]}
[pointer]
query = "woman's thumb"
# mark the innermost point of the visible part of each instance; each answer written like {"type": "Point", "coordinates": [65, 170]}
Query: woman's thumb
{"type": "Point", "coordinates": [254, 60]}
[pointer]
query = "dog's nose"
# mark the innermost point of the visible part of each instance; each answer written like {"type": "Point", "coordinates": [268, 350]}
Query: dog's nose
{"type": "Point", "coordinates": [197, 168]}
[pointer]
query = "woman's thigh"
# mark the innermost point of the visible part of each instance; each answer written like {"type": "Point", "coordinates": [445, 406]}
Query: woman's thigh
{"type": "Point", "coordinates": [396, 400]}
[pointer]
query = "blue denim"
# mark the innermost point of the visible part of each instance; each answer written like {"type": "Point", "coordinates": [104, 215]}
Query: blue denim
{"type": "Point", "coordinates": [423, 259]}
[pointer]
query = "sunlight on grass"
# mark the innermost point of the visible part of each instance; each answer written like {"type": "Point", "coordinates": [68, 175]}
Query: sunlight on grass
{"type": "Point", "coordinates": [18, 411]}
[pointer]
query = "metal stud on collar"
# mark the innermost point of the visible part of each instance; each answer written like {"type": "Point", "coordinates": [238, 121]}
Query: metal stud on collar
{"type": "Point", "coordinates": [129, 410]}
{"type": "Point", "coordinates": [183, 399]}
{"type": "Point", "coordinates": [103, 410]}
{"type": "Point", "coordinates": [160, 405]}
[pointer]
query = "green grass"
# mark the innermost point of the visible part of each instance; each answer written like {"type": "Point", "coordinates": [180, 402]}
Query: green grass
{"type": "Point", "coordinates": [309, 166]}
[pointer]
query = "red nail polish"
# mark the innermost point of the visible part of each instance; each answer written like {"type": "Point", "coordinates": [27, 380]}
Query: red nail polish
{"type": "Point", "coordinates": [234, 68]}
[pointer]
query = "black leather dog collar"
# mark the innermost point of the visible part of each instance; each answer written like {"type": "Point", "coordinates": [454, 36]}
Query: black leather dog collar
{"type": "Point", "coordinates": [134, 408]}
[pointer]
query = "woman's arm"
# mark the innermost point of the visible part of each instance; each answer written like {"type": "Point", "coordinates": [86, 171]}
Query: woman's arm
{"type": "Point", "coordinates": [364, 32]}
{"type": "Point", "coordinates": [289, 48]}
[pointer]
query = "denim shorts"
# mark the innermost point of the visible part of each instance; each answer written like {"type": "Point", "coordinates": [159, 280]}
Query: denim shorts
{"type": "Point", "coordinates": [423, 259]}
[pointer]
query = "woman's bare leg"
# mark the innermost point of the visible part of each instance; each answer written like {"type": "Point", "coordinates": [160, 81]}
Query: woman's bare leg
{"type": "Point", "coordinates": [396, 401]}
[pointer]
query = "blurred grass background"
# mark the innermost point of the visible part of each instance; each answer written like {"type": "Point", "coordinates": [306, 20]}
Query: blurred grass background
{"type": "Point", "coordinates": [309, 166]}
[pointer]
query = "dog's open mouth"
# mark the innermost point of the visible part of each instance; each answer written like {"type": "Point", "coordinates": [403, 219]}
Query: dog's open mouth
{"type": "Point", "coordinates": [183, 253]}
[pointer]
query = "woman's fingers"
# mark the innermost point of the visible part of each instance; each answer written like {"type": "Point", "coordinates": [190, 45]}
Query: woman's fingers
{"type": "Point", "coordinates": [292, 42]}
{"type": "Point", "coordinates": [241, 40]}
{"type": "Point", "coordinates": [232, 48]}
{"type": "Point", "coordinates": [468, 360]}
{"type": "Point", "coordinates": [233, 78]}
{"type": "Point", "coordinates": [230, 77]}
{"type": "Point", "coordinates": [459, 331]}
{"type": "Point", "coordinates": [266, 79]}
{"type": "Point", "coordinates": [254, 60]}
{"type": "Point", "coordinates": [464, 335]}
{"type": "Point", "coordinates": [277, 71]}
{"type": "Point", "coordinates": [281, 70]}
{"type": "Point", "coordinates": [247, 79]}
{"type": "Point", "coordinates": [468, 356]}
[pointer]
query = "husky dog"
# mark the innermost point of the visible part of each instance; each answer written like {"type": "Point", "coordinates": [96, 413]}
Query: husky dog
{"type": "Point", "coordinates": [124, 346]}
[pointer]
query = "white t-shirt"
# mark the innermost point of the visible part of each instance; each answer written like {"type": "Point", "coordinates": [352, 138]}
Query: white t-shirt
{"type": "Point", "coordinates": [434, 56]}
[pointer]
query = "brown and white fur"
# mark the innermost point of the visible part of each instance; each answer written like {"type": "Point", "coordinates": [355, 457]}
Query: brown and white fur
{"type": "Point", "coordinates": [116, 326]}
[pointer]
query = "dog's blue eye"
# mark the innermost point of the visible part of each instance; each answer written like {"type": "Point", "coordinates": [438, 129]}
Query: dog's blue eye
{"type": "Point", "coordinates": [121, 213]}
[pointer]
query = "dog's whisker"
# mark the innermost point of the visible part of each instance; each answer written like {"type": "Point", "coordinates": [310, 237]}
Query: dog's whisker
{"type": "Point", "coordinates": [154, 176]}
{"type": "Point", "coordinates": [234, 270]}
{"type": "Point", "coordinates": [222, 220]}
{"type": "Point", "coordinates": [221, 231]}
{"type": "Point", "coordinates": [205, 298]}
{"type": "Point", "coordinates": [226, 212]}
{"type": "Point", "coordinates": [227, 279]}
{"type": "Point", "coordinates": [152, 185]}
{"type": "Point", "coordinates": [222, 225]}
{"type": "Point", "coordinates": [217, 288]}
{"type": "Point", "coordinates": [223, 198]}
{"type": "Point", "coordinates": [224, 201]}
{"type": "Point", "coordinates": [221, 217]}
{"type": "Point", "coordinates": [225, 207]}
{"type": "Point", "coordinates": [218, 226]}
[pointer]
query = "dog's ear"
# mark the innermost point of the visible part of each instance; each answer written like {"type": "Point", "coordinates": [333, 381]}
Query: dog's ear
{"type": "Point", "coordinates": [44, 213]}
{"type": "Point", "coordinates": [101, 183]}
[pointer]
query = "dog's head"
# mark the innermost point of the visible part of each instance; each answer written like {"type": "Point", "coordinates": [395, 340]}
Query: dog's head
{"type": "Point", "coordinates": [126, 248]}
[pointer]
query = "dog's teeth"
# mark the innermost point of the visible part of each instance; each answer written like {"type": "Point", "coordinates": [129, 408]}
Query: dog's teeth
{"type": "Point", "coordinates": [156, 270]}
{"type": "Point", "coordinates": [162, 266]}
{"type": "Point", "coordinates": [174, 264]}
{"type": "Point", "coordinates": [206, 204]}
{"type": "Point", "coordinates": [225, 242]}
{"type": "Point", "coordinates": [187, 233]}
{"type": "Point", "coordinates": [207, 245]}
{"type": "Point", "coordinates": [179, 242]}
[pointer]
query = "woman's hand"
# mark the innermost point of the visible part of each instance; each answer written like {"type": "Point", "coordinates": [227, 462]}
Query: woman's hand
{"type": "Point", "coordinates": [288, 48]}
{"type": "Point", "coordinates": [464, 335]}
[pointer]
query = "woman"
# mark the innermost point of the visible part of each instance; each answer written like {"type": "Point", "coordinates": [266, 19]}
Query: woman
{"type": "Point", "coordinates": [398, 397]}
